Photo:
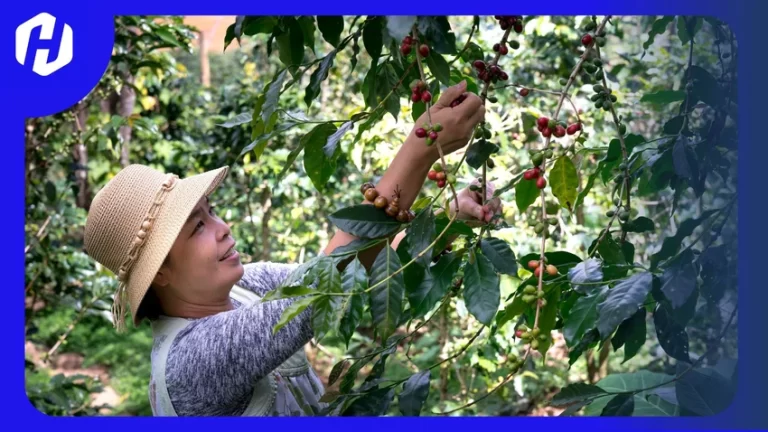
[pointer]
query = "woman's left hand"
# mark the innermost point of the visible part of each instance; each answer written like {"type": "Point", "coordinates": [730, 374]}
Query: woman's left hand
{"type": "Point", "coordinates": [471, 209]}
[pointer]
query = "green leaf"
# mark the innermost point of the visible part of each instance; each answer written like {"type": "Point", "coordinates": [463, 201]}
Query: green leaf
{"type": "Point", "coordinates": [355, 51]}
{"type": "Point", "coordinates": [672, 336]}
{"type": "Point", "coordinates": [704, 392]}
{"type": "Point", "coordinates": [481, 289]}
{"type": "Point", "coordinates": [354, 279]}
{"type": "Point", "coordinates": [663, 97]}
{"type": "Point", "coordinates": [631, 335]}
{"type": "Point", "coordinates": [687, 27]}
{"type": "Point", "coordinates": [441, 277]}
{"type": "Point", "coordinates": [373, 404]}
{"type": "Point", "coordinates": [671, 245]}
{"type": "Point", "coordinates": [576, 392]}
{"type": "Point", "coordinates": [415, 393]}
{"type": "Point", "coordinates": [421, 234]}
{"type": "Point", "coordinates": [331, 28]}
{"type": "Point", "coordinates": [620, 405]}
{"type": "Point", "coordinates": [333, 141]}
{"type": "Point", "coordinates": [590, 338]}
{"type": "Point", "coordinates": [479, 152]}
{"type": "Point", "coordinates": [324, 312]}
{"type": "Point", "coordinates": [336, 371]}
{"type": "Point", "coordinates": [292, 311]}
{"type": "Point", "coordinates": [373, 38]}
{"type": "Point", "coordinates": [317, 164]}
{"type": "Point", "coordinates": [364, 221]}
{"type": "Point", "coordinates": [348, 381]}
{"type": "Point", "coordinates": [582, 316]}
{"type": "Point", "coordinates": [288, 292]}
{"type": "Point", "coordinates": [271, 98]}
{"type": "Point", "coordinates": [526, 193]}
{"type": "Point", "coordinates": [626, 382]}
{"type": "Point", "coordinates": [167, 36]}
{"type": "Point", "coordinates": [548, 318]}
{"type": "Point", "coordinates": [260, 143]}
{"type": "Point", "coordinates": [564, 182]}
{"type": "Point", "coordinates": [437, 31]}
{"type": "Point", "coordinates": [640, 225]}
{"type": "Point", "coordinates": [659, 26]}
{"type": "Point", "coordinates": [387, 298]}
{"type": "Point", "coordinates": [706, 87]}
{"type": "Point", "coordinates": [237, 120]}
{"type": "Point", "coordinates": [679, 279]}
{"type": "Point", "coordinates": [512, 311]}
{"type": "Point", "coordinates": [439, 68]}
{"type": "Point", "coordinates": [259, 25]}
{"type": "Point", "coordinates": [307, 23]}
{"type": "Point", "coordinates": [50, 192]}
{"type": "Point", "coordinates": [585, 272]}
{"type": "Point", "coordinates": [683, 159]}
{"type": "Point", "coordinates": [291, 45]}
{"type": "Point", "coordinates": [318, 76]}
{"type": "Point", "coordinates": [622, 301]}
{"type": "Point", "coordinates": [500, 254]}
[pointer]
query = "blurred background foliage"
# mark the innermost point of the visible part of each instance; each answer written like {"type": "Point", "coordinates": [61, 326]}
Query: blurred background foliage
{"type": "Point", "coordinates": [163, 101]}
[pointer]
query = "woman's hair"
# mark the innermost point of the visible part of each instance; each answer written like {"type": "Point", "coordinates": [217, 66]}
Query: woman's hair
{"type": "Point", "coordinates": [150, 306]}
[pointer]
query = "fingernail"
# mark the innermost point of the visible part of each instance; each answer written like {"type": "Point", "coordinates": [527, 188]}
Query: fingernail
{"type": "Point", "coordinates": [463, 84]}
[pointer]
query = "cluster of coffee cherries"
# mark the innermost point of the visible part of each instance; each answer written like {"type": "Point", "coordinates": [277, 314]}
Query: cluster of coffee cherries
{"type": "Point", "coordinates": [532, 336]}
{"type": "Point", "coordinates": [419, 91]}
{"type": "Point", "coordinates": [536, 266]}
{"type": "Point", "coordinates": [541, 228]}
{"type": "Point", "coordinates": [429, 132]}
{"type": "Point", "coordinates": [537, 172]}
{"type": "Point", "coordinates": [588, 38]}
{"type": "Point", "coordinates": [458, 100]}
{"type": "Point", "coordinates": [438, 175]}
{"type": "Point", "coordinates": [489, 73]}
{"type": "Point", "coordinates": [391, 208]}
{"type": "Point", "coordinates": [623, 212]}
{"type": "Point", "coordinates": [513, 21]}
{"type": "Point", "coordinates": [549, 127]}
{"type": "Point", "coordinates": [407, 44]}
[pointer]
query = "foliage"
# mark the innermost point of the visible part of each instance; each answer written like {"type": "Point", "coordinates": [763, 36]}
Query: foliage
{"type": "Point", "coordinates": [642, 202]}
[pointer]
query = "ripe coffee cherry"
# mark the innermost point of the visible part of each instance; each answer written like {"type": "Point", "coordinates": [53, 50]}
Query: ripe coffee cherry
{"type": "Point", "coordinates": [541, 183]}
{"type": "Point", "coordinates": [518, 27]}
{"type": "Point", "coordinates": [519, 333]}
{"type": "Point", "coordinates": [529, 174]}
{"type": "Point", "coordinates": [546, 132]}
{"type": "Point", "coordinates": [405, 49]}
{"type": "Point", "coordinates": [542, 122]}
{"type": "Point", "coordinates": [496, 47]}
{"type": "Point", "coordinates": [424, 50]}
{"type": "Point", "coordinates": [421, 132]}
{"type": "Point", "coordinates": [426, 96]}
{"type": "Point", "coordinates": [503, 76]}
{"type": "Point", "coordinates": [537, 272]}
{"type": "Point", "coordinates": [380, 202]}
{"type": "Point", "coordinates": [415, 97]}
{"type": "Point", "coordinates": [524, 92]}
{"type": "Point", "coordinates": [371, 194]}
{"type": "Point", "coordinates": [440, 176]}
{"type": "Point", "coordinates": [586, 40]}
{"type": "Point", "coordinates": [479, 65]}
{"type": "Point", "coordinates": [532, 264]}
{"type": "Point", "coordinates": [432, 175]}
{"type": "Point", "coordinates": [572, 129]}
{"type": "Point", "coordinates": [551, 270]}
{"type": "Point", "coordinates": [433, 135]}
{"type": "Point", "coordinates": [503, 50]}
{"type": "Point", "coordinates": [402, 216]}
{"type": "Point", "coordinates": [441, 184]}
{"type": "Point", "coordinates": [559, 131]}
{"type": "Point", "coordinates": [408, 40]}
{"type": "Point", "coordinates": [365, 186]}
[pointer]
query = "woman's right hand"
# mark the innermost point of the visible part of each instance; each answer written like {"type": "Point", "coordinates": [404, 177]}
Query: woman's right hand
{"type": "Point", "coordinates": [458, 123]}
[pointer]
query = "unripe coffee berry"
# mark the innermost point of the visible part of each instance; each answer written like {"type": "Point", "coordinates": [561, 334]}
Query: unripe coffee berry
{"type": "Point", "coordinates": [437, 127]}
{"type": "Point", "coordinates": [437, 167]}
{"type": "Point", "coordinates": [514, 44]}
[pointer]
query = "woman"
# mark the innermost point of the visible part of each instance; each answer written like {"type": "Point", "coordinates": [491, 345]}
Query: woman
{"type": "Point", "coordinates": [214, 352]}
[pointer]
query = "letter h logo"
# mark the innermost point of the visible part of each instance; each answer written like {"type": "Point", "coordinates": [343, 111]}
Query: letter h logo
{"type": "Point", "coordinates": [47, 23]}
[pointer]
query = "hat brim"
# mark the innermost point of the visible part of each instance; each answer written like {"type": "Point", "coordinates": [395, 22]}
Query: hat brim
{"type": "Point", "coordinates": [173, 214]}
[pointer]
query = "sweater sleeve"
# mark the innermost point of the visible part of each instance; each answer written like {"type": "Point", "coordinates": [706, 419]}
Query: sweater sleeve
{"type": "Point", "coordinates": [214, 361]}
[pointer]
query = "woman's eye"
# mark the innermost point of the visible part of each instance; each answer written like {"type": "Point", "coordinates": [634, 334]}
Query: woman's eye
{"type": "Point", "coordinates": [211, 210]}
{"type": "Point", "coordinates": [199, 225]}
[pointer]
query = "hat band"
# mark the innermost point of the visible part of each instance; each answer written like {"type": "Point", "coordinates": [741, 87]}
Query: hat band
{"type": "Point", "coordinates": [118, 306]}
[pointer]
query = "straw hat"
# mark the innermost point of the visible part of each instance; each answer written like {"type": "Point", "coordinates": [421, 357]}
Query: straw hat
{"type": "Point", "coordinates": [133, 222]}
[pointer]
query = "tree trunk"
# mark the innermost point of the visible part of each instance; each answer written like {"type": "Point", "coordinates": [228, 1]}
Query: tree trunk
{"type": "Point", "coordinates": [205, 68]}
{"type": "Point", "coordinates": [125, 109]}
{"type": "Point", "coordinates": [266, 206]}
{"type": "Point", "coordinates": [80, 158]}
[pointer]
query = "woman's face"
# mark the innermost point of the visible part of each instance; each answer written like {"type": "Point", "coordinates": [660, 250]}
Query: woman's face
{"type": "Point", "coordinates": [202, 263]}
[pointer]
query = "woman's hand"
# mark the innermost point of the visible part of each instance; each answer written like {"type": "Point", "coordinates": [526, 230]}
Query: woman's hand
{"type": "Point", "coordinates": [471, 210]}
{"type": "Point", "coordinates": [458, 123]}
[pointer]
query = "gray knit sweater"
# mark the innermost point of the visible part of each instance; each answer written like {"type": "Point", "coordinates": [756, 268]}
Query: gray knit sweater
{"type": "Point", "coordinates": [215, 360]}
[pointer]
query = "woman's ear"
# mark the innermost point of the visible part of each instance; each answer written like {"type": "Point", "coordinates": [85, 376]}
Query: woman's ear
{"type": "Point", "coordinates": [161, 278]}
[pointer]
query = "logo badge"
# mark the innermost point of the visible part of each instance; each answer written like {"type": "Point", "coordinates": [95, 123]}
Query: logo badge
{"type": "Point", "coordinates": [47, 24]}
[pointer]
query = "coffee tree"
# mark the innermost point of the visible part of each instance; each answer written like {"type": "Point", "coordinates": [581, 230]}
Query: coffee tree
{"type": "Point", "coordinates": [667, 173]}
